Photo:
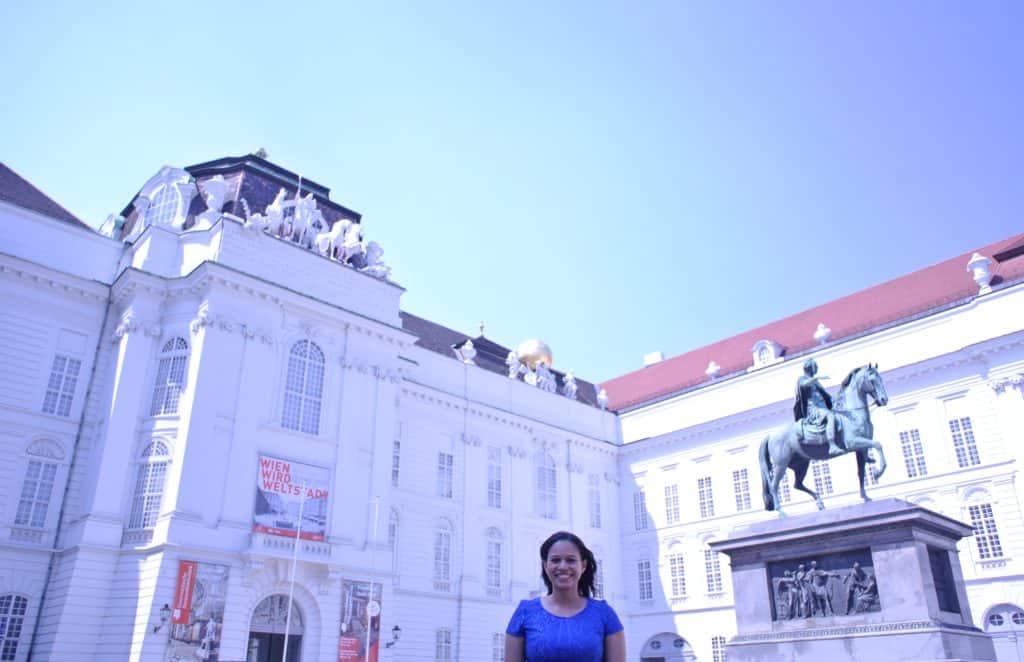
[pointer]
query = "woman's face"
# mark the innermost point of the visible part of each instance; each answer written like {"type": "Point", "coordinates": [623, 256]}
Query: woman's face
{"type": "Point", "coordinates": [564, 566]}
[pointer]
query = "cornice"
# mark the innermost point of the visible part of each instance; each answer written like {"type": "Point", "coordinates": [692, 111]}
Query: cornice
{"type": "Point", "coordinates": [66, 285]}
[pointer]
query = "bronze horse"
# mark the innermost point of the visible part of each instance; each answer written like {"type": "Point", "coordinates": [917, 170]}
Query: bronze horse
{"type": "Point", "coordinates": [785, 448]}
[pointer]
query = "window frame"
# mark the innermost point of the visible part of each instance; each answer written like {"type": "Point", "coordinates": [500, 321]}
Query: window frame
{"type": "Point", "coordinates": [143, 510]}
{"type": "Point", "coordinates": [546, 486]}
{"type": "Point", "coordinates": [300, 399]}
{"type": "Point", "coordinates": [59, 393]}
{"type": "Point", "coordinates": [706, 497]}
{"type": "Point", "coordinates": [13, 613]}
{"type": "Point", "coordinates": [672, 514]}
{"type": "Point", "coordinates": [172, 362]}
{"type": "Point", "coordinates": [741, 489]}
{"type": "Point", "coordinates": [644, 580]}
{"type": "Point", "coordinates": [494, 476]}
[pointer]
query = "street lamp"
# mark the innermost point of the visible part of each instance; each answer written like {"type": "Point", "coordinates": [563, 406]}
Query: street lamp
{"type": "Point", "coordinates": [396, 633]}
{"type": "Point", "coordinates": [165, 615]}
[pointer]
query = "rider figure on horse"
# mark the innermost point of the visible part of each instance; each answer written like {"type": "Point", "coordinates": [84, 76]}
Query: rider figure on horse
{"type": "Point", "coordinates": [814, 405]}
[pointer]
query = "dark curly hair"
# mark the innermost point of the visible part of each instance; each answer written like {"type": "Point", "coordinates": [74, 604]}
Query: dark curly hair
{"type": "Point", "coordinates": [586, 585]}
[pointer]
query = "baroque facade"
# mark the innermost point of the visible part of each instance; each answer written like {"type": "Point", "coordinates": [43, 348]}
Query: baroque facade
{"type": "Point", "coordinates": [216, 402]}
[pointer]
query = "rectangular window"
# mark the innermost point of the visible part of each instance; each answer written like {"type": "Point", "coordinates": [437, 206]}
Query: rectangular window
{"type": "Point", "coordinates": [594, 494]}
{"type": "Point", "coordinates": [913, 453]}
{"type": "Point", "coordinates": [149, 490]}
{"type": "Point", "coordinates": [12, 619]}
{"type": "Point", "coordinates": [443, 645]}
{"type": "Point", "coordinates": [60, 389]}
{"type": "Point", "coordinates": [445, 472]}
{"type": "Point", "coordinates": [963, 441]}
{"type": "Point", "coordinates": [784, 488]}
{"type": "Point", "coordinates": [645, 587]}
{"type": "Point", "coordinates": [35, 494]}
{"type": "Point", "coordinates": [741, 485]}
{"type": "Point", "coordinates": [672, 504]}
{"type": "Point", "coordinates": [494, 477]}
{"type": "Point", "coordinates": [986, 535]}
{"type": "Point", "coordinates": [718, 649]}
{"type": "Point", "coordinates": [498, 647]}
{"type": "Point", "coordinates": [493, 566]}
{"type": "Point", "coordinates": [822, 477]}
{"type": "Point", "coordinates": [396, 462]}
{"type": "Point", "coordinates": [547, 488]}
{"type": "Point", "coordinates": [442, 558]}
{"type": "Point", "coordinates": [713, 571]}
{"type": "Point", "coordinates": [675, 564]}
{"type": "Point", "coordinates": [705, 497]}
{"type": "Point", "coordinates": [599, 579]}
{"type": "Point", "coordinates": [639, 510]}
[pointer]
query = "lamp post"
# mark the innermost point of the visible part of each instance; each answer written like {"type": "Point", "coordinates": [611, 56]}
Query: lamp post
{"type": "Point", "coordinates": [165, 615]}
{"type": "Point", "coordinates": [396, 633]}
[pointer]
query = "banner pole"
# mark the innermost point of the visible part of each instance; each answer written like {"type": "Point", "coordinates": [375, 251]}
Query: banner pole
{"type": "Point", "coordinates": [373, 555]}
{"type": "Point", "coordinates": [291, 581]}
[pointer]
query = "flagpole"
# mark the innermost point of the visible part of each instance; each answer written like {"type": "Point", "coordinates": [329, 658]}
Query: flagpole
{"type": "Point", "coordinates": [291, 581]}
{"type": "Point", "coordinates": [369, 599]}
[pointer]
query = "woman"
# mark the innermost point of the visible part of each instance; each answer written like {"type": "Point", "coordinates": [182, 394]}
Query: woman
{"type": "Point", "coordinates": [567, 624]}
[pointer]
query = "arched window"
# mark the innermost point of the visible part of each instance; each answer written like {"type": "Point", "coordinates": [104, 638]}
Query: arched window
{"type": "Point", "coordinates": [170, 377]}
{"type": "Point", "coordinates": [493, 574]}
{"type": "Point", "coordinates": [36, 491]}
{"type": "Point", "coordinates": [304, 387]}
{"type": "Point", "coordinates": [164, 206]}
{"type": "Point", "coordinates": [12, 619]}
{"type": "Point", "coordinates": [498, 647]}
{"type": "Point", "coordinates": [271, 615]}
{"type": "Point", "coordinates": [547, 487]}
{"type": "Point", "coordinates": [442, 556]}
{"type": "Point", "coordinates": [149, 486]}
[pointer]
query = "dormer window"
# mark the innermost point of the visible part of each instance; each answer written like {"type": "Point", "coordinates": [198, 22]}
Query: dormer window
{"type": "Point", "coordinates": [766, 353]}
{"type": "Point", "coordinates": [164, 207]}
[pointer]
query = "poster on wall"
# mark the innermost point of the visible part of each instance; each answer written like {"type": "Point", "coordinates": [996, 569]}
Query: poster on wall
{"type": "Point", "coordinates": [359, 614]}
{"type": "Point", "coordinates": [197, 614]}
{"type": "Point", "coordinates": [280, 495]}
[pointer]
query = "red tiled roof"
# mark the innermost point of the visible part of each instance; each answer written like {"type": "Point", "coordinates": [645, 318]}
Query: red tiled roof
{"type": "Point", "coordinates": [904, 297]}
{"type": "Point", "coordinates": [17, 190]}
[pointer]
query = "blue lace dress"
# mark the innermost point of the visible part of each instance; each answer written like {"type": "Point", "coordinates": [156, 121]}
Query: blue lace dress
{"type": "Point", "coordinates": [551, 638]}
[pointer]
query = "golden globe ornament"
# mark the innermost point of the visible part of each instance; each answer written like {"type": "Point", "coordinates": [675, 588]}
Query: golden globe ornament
{"type": "Point", "coordinates": [533, 352]}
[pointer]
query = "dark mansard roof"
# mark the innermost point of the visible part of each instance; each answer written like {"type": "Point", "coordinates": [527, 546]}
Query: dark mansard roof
{"type": "Point", "coordinates": [489, 355]}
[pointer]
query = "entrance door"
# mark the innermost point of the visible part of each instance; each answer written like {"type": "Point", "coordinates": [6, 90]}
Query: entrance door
{"type": "Point", "coordinates": [268, 647]}
{"type": "Point", "coordinates": [267, 628]}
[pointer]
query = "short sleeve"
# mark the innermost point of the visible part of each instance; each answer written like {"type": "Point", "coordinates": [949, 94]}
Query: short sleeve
{"type": "Point", "coordinates": [612, 624]}
{"type": "Point", "coordinates": [517, 624]}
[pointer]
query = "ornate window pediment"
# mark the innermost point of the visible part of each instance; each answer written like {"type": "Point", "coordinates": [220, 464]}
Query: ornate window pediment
{"type": "Point", "coordinates": [765, 353]}
{"type": "Point", "coordinates": [163, 200]}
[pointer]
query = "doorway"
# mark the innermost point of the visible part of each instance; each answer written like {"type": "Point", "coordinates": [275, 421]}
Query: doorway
{"type": "Point", "coordinates": [267, 628]}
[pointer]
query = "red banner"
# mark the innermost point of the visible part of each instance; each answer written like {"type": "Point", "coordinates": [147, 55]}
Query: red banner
{"type": "Point", "coordinates": [183, 592]}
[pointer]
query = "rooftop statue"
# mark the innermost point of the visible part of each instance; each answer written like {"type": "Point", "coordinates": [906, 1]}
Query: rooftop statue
{"type": "Point", "coordinates": [569, 385]}
{"type": "Point", "coordinates": [546, 378]}
{"type": "Point", "coordinates": [823, 431]}
{"type": "Point", "coordinates": [215, 193]}
{"type": "Point", "coordinates": [375, 265]}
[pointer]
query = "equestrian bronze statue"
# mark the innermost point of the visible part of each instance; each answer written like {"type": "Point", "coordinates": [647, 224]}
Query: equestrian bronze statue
{"type": "Point", "coordinates": [823, 430]}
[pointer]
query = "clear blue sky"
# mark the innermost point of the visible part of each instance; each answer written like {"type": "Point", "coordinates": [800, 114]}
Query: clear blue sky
{"type": "Point", "coordinates": [614, 178]}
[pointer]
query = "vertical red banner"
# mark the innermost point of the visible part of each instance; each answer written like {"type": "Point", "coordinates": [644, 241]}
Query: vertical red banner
{"type": "Point", "coordinates": [183, 592]}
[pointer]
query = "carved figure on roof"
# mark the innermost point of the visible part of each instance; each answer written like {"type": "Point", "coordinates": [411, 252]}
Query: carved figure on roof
{"type": "Point", "coordinates": [569, 385]}
{"type": "Point", "coordinates": [215, 193]}
{"type": "Point", "coordinates": [602, 399]}
{"type": "Point", "coordinates": [112, 226]}
{"type": "Point", "coordinates": [325, 242]}
{"type": "Point", "coordinates": [515, 368]}
{"type": "Point", "coordinates": [352, 246]}
{"type": "Point", "coordinates": [813, 406]}
{"type": "Point", "coordinates": [546, 378]}
{"type": "Point", "coordinates": [309, 221]}
{"type": "Point", "coordinates": [274, 214]}
{"type": "Point", "coordinates": [375, 265]}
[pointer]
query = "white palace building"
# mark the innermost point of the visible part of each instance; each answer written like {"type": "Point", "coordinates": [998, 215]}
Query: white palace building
{"type": "Point", "coordinates": [216, 402]}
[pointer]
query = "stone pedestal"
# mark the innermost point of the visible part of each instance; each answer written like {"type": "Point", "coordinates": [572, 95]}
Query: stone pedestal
{"type": "Point", "coordinates": [879, 581]}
